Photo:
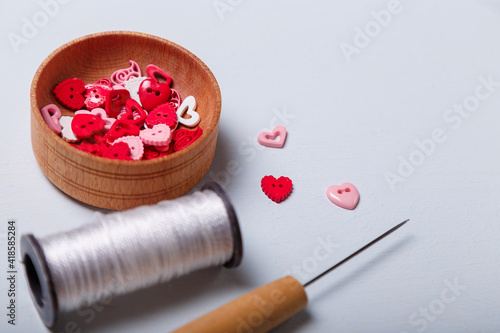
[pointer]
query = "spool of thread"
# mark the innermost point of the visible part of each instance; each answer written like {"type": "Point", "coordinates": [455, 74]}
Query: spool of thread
{"type": "Point", "coordinates": [125, 251]}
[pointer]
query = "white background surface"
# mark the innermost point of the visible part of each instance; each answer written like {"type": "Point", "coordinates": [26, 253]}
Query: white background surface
{"type": "Point", "coordinates": [351, 123]}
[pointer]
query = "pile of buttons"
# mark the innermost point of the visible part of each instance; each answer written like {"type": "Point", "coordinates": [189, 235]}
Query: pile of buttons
{"type": "Point", "coordinates": [126, 117]}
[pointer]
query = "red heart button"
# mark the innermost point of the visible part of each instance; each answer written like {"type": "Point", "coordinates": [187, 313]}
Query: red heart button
{"type": "Point", "coordinates": [151, 153]}
{"type": "Point", "coordinates": [183, 137]}
{"type": "Point", "coordinates": [70, 93]}
{"type": "Point", "coordinates": [133, 113]}
{"type": "Point", "coordinates": [276, 189]}
{"type": "Point", "coordinates": [115, 100]}
{"type": "Point", "coordinates": [95, 93]}
{"type": "Point", "coordinates": [162, 114]}
{"type": "Point", "coordinates": [118, 151]}
{"type": "Point", "coordinates": [84, 125]}
{"type": "Point", "coordinates": [119, 129]}
{"type": "Point", "coordinates": [153, 93]}
{"type": "Point", "coordinates": [153, 71]}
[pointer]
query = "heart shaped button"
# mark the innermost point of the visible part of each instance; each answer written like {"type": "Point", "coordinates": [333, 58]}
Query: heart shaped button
{"type": "Point", "coordinates": [84, 125]}
{"type": "Point", "coordinates": [151, 153]}
{"type": "Point", "coordinates": [120, 76]}
{"type": "Point", "coordinates": [184, 137]}
{"type": "Point", "coordinates": [163, 114]}
{"type": "Point", "coordinates": [118, 151]}
{"type": "Point", "coordinates": [66, 131]}
{"type": "Point", "coordinates": [120, 129]}
{"type": "Point", "coordinates": [188, 107]}
{"type": "Point", "coordinates": [153, 92]}
{"type": "Point", "coordinates": [115, 101]}
{"type": "Point", "coordinates": [346, 195]}
{"type": "Point", "coordinates": [132, 85]}
{"type": "Point", "coordinates": [95, 93]}
{"type": "Point", "coordinates": [269, 139]}
{"type": "Point", "coordinates": [101, 113]}
{"type": "Point", "coordinates": [276, 189]}
{"type": "Point", "coordinates": [134, 113]}
{"type": "Point", "coordinates": [135, 144]}
{"type": "Point", "coordinates": [70, 93]}
{"type": "Point", "coordinates": [154, 71]}
{"type": "Point", "coordinates": [159, 135]}
{"type": "Point", "coordinates": [51, 115]}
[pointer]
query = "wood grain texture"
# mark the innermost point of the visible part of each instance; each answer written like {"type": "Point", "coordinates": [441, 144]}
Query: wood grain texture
{"type": "Point", "coordinates": [117, 184]}
{"type": "Point", "coordinates": [258, 311]}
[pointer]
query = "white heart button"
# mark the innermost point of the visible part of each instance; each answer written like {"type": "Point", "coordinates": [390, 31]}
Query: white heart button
{"type": "Point", "coordinates": [188, 106]}
{"type": "Point", "coordinates": [66, 131]}
{"type": "Point", "coordinates": [132, 85]}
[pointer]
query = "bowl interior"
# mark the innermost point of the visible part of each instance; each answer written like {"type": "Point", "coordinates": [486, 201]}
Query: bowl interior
{"type": "Point", "coordinates": [97, 56]}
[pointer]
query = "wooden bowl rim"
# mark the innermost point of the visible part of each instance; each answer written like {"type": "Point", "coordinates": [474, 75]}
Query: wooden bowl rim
{"type": "Point", "coordinates": [65, 145]}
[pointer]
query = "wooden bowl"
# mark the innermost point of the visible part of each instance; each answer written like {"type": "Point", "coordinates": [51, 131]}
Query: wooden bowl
{"type": "Point", "coordinates": [116, 184]}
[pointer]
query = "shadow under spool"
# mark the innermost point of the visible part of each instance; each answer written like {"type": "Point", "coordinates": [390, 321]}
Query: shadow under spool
{"type": "Point", "coordinates": [42, 289]}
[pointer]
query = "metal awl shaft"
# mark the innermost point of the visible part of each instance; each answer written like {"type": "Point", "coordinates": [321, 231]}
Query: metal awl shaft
{"type": "Point", "coordinates": [356, 253]}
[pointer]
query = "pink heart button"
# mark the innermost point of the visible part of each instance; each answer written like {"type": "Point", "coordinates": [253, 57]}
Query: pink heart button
{"type": "Point", "coordinates": [346, 195]}
{"type": "Point", "coordinates": [159, 135]}
{"type": "Point", "coordinates": [135, 144]}
{"type": "Point", "coordinates": [268, 139]}
{"type": "Point", "coordinates": [51, 114]}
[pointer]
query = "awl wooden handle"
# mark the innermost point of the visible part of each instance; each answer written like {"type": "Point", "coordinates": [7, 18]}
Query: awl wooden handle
{"type": "Point", "coordinates": [255, 312]}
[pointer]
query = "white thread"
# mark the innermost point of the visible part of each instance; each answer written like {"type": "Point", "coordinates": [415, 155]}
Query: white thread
{"type": "Point", "coordinates": [125, 251]}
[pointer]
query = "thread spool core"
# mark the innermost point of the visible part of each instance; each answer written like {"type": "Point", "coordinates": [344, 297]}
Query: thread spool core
{"type": "Point", "coordinates": [42, 289]}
